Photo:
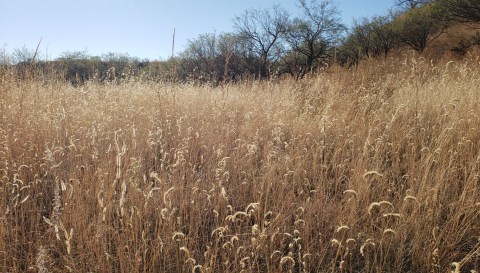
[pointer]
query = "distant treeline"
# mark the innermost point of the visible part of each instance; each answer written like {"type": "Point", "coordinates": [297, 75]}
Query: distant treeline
{"type": "Point", "coordinates": [78, 67]}
{"type": "Point", "coordinates": [269, 43]}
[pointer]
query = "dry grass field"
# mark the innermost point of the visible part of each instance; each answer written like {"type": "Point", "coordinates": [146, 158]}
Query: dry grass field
{"type": "Point", "coordinates": [372, 169]}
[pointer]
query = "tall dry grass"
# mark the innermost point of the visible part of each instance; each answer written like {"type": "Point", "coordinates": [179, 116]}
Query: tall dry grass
{"type": "Point", "coordinates": [374, 169]}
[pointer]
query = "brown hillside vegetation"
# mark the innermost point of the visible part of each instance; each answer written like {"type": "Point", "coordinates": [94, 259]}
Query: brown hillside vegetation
{"type": "Point", "coordinates": [374, 169]}
{"type": "Point", "coordinates": [458, 39]}
{"type": "Point", "coordinates": [455, 42]}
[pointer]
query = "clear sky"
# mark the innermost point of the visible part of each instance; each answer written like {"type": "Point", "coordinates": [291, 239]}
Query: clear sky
{"type": "Point", "coordinates": [138, 27]}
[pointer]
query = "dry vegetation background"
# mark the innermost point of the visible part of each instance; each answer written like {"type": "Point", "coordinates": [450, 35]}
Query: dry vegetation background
{"type": "Point", "coordinates": [372, 169]}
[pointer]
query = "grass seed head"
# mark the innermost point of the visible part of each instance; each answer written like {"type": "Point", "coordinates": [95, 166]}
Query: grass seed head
{"type": "Point", "coordinates": [287, 259]}
{"type": "Point", "coordinates": [372, 173]}
{"type": "Point", "coordinates": [352, 192]}
{"type": "Point", "coordinates": [340, 228]}
{"type": "Point", "coordinates": [388, 230]}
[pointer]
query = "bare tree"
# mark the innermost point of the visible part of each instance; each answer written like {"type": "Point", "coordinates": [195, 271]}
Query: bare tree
{"type": "Point", "coordinates": [200, 55]}
{"type": "Point", "coordinates": [205, 57]}
{"type": "Point", "coordinates": [385, 35]}
{"type": "Point", "coordinates": [314, 34]}
{"type": "Point", "coordinates": [262, 29]}
{"type": "Point", "coordinates": [411, 4]}
{"type": "Point", "coordinates": [22, 55]}
{"type": "Point", "coordinates": [4, 56]}
{"type": "Point", "coordinates": [363, 32]}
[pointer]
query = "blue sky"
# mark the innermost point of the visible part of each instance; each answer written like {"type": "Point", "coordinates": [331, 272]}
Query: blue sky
{"type": "Point", "coordinates": [138, 27]}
